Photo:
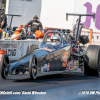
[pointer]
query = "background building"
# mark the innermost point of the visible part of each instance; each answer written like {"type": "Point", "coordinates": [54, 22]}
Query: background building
{"type": "Point", "coordinates": [4, 4]}
{"type": "Point", "coordinates": [52, 13]}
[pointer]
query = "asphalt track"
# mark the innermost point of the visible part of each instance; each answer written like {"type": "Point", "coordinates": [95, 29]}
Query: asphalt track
{"type": "Point", "coordinates": [63, 86]}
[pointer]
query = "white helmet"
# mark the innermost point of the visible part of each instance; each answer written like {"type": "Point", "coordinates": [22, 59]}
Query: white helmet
{"type": "Point", "coordinates": [55, 39]}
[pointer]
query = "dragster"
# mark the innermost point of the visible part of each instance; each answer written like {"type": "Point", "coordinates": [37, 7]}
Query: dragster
{"type": "Point", "coordinates": [65, 56]}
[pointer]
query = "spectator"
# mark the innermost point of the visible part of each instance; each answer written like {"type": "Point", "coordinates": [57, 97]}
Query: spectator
{"type": "Point", "coordinates": [3, 19]}
{"type": "Point", "coordinates": [80, 28]}
{"type": "Point", "coordinates": [35, 24]}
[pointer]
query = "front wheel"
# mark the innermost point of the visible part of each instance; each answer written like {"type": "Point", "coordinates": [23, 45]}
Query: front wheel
{"type": "Point", "coordinates": [33, 67]}
{"type": "Point", "coordinates": [4, 66]}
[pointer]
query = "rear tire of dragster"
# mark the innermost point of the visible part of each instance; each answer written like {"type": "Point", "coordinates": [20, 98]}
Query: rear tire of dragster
{"type": "Point", "coordinates": [33, 67]}
{"type": "Point", "coordinates": [3, 66]}
{"type": "Point", "coordinates": [92, 60]}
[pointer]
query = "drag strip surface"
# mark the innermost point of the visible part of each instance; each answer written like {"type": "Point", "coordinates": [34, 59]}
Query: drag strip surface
{"type": "Point", "coordinates": [63, 86]}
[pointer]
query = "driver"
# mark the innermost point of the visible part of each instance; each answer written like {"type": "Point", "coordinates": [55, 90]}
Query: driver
{"type": "Point", "coordinates": [55, 40]}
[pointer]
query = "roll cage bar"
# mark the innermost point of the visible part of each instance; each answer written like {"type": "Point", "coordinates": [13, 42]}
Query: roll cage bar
{"type": "Point", "coordinates": [59, 32]}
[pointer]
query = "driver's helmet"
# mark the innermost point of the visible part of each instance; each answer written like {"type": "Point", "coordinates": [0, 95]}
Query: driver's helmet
{"type": "Point", "coordinates": [55, 39]}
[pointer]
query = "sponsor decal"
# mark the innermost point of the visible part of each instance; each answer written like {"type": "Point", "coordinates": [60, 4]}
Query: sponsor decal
{"type": "Point", "coordinates": [10, 48]}
{"type": "Point", "coordinates": [48, 66]}
{"type": "Point", "coordinates": [15, 49]}
{"type": "Point", "coordinates": [65, 57]}
{"type": "Point", "coordinates": [3, 45]}
{"type": "Point", "coordinates": [22, 60]}
{"type": "Point", "coordinates": [11, 52]}
{"type": "Point", "coordinates": [38, 70]}
{"type": "Point", "coordinates": [67, 44]}
{"type": "Point", "coordinates": [67, 68]}
{"type": "Point", "coordinates": [45, 68]}
{"type": "Point", "coordinates": [58, 45]}
{"type": "Point", "coordinates": [72, 65]}
{"type": "Point", "coordinates": [47, 49]}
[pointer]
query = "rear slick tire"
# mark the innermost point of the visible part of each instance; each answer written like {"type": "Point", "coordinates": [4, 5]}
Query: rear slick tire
{"type": "Point", "coordinates": [92, 60]}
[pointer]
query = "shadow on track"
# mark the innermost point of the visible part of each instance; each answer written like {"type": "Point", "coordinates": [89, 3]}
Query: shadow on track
{"type": "Point", "coordinates": [53, 78]}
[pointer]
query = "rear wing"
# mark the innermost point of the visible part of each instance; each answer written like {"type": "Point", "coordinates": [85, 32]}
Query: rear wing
{"type": "Point", "coordinates": [79, 20]}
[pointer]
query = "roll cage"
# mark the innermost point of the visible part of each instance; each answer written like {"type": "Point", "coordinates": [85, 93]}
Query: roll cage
{"type": "Point", "coordinates": [61, 34]}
